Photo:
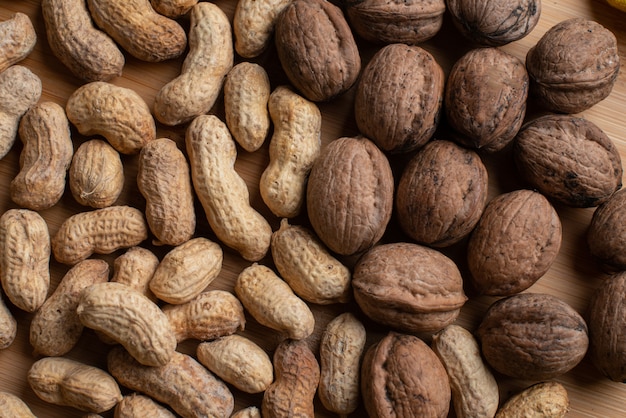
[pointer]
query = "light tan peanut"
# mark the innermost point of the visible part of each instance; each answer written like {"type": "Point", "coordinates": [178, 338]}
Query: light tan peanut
{"type": "Point", "coordinates": [297, 377]}
{"type": "Point", "coordinates": [173, 8]}
{"type": "Point", "coordinates": [96, 175]}
{"type": "Point", "coordinates": [164, 180]}
{"type": "Point", "coordinates": [474, 388]}
{"type": "Point", "coordinates": [222, 192]}
{"type": "Point", "coordinates": [55, 328]}
{"type": "Point", "coordinates": [249, 412]}
{"type": "Point", "coordinates": [212, 314]}
{"type": "Point", "coordinates": [61, 381]}
{"type": "Point", "coordinates": [12, 406]}
{"type": "Point", "coordinates": [136, 405]}
{"type": "Point", "coordinates": [305, 263]}
{"type": "Point", "coordinates": [24, 258]}
{"type": "Point", "coordinates": [341, 351]}
{"type": "Point", "coordinates": [20, 89]}
{"type": "Point", "coordinates": [541, 400]}
{"type": "Point", "coordinates": [139, 29]}
{"type": "Point", "coordinates": [100, 231]}
{"type": "Point", "coordinates": [246, 93]}
{"type": "Point", "coordinates": [187, 270]}
{"type": "Point", "coordinates": [253, 25]}
{"type": "Point", "coordinates": [270, 300]}
{"type": "Point", "coordinates": [210, 57]}
{"type": "Point", "coordinates": [295, 144]}
{"type": "Point", "coordinates": [17, 39]}
{"type": "Point", "coordinates": [135, 268]}
{"type": "Point", "coordinates": [238, 361]}
{"type": "Point", "coordinates": [8, 326]}
{"type": "Point", "coordinates": [184, 384]}
{"type": "Point", "coordinates": [89, 53]}
{"type": "Point", "coordinates": [129, 318]}
{"type": "Point", "coordinates": [117, 113]}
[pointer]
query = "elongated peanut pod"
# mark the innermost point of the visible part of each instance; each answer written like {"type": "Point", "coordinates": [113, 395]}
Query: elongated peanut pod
{"type": "Point", "coordinates": [173, 8]}
{"type": "Point", "coordinates": [13, 407]}
{"type": "Point", "coordinates": [8, 326]}
{"type": "Point", "coordinates": [17, 39]}
{"type": "Point", "coordinates": [544, 399]}
{"type": "Point", "coordinates": [249, 412]}
{"type": "Point", "coordinates": [135, 268]}
{"type": "Point", "coordinates": [253, 25]}
{"type": "Point", "coordinates": [137, 405]}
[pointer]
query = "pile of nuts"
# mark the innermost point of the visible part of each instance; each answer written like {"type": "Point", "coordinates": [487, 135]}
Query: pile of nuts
{"type": "Point", "coordinates": [139, 277]}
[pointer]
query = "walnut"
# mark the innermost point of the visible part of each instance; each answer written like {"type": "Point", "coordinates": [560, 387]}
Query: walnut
{"type": "Point", "coordinates": [606, 235]}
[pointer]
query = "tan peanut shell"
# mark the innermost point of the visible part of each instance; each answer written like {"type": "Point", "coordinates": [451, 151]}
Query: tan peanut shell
{"type": "Point", "coordinates": [8, 325]}
{"type": "Point", "coordinates": [222, 192]}
{"type": "Point", "coordinates": [45, 158]}
{"type": "Point", "coordinates": [164, 180]}
{"type": "Point", "coordinates": [294, 147]}
{"type": "Point", "coordinates": [541, 400]}
{"type": "Point", "coordinates": [210, 57]}
{"type": "Point", "coordinates": [253, 25]}
{"type": "Point", "coordinates": [11, 406]}
{"type": "Point", "coordinates": [117, 113]}
{"type": "Point", "coordinates": [142, 32]}
{"type": "Point", "coordinates": [173, 8]}
{"type": "Point", "coordinates": [55, 328]}
{"type": "Point", "coordinates": [129, 318]}
{"type": "Point", "coordinates": [305, 263]}
{"type": "Point", "coordinates": [24, 258]}
{"type": "Point", "coordinates": [249, 412]}
{"type": "Point", "coordinates": [17, 39]}
{"type": "Point", "coordinates": [137, 405]}
{"type": "Point", "coordinates": [62, 381]}
{"type": "Point", "coordinates": [89, 53]}
{"type": "Point", "coordinates": [135, 268]}
{"type": "Point", "coordinates": [238, 361]}
{"type": "Point", "coordinates": [96, 175]}
{"type": "Point", "coordinates": [246, 93]}
{"type": "Point", "coordinates": [100, 231]}
{"type": "Point", "coordinates": [183, 383]}
{"type": "Point", "coordinates": [270, 300]}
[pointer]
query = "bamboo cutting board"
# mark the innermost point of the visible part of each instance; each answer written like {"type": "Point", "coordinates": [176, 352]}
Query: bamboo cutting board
{"type": "Point", "coordinates": [573, 276]}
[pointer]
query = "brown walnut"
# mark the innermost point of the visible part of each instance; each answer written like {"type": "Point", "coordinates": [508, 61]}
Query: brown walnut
{"type": "Point", "coordinates": [606, 235]}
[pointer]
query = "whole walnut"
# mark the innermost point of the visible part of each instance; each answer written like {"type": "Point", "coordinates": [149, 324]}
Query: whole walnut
{"type": "Point", "coordinates": [573, 66]}
{"type": "Point", "coordinates": [606, 235]}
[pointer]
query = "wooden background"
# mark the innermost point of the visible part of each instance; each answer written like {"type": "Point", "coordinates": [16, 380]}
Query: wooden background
{"type": "Point", "coordinates": [573, 276]}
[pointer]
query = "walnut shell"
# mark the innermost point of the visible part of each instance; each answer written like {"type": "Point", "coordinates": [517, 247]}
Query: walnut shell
{"type": "Point", "coordinates": [441, 194]}
{"type": "Point", "coordinates": [402, 377]}
{"type": "Point", "coordinates": [532, 336]}
{"type": "Point", "coordinates": [316, 49]}
{"type": "Point", "coordinates": [569, 159]}
{"type": "Point", "coordinates": [606, 235]}
{"type": "Point", "coordinates": [350, 195]}
{"type": "Point", "coordinates": [485, 98]}
{"type": "Point", "coordinates": [514, 244]}
{"type": "Point", "coordinates": [573, 66]}
{"type": "Point", "coordinates": [408, 287]}
{"type": "Point", "coordinates": [399, 98]}
{"type": "Point", "coordinates": [396, 21]}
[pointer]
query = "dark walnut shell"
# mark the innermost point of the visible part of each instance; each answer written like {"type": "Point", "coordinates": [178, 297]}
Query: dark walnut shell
{"type": "Point", "coordinates": [485, 98]}
{"type": "Point", "coordinates": [350, 195]}
{"type": "Point", "coordinates": [395, 21]}
{"type": "Point", "coordinates": [441, 194]}
{"type": "Point", "coordinates": [402, 377]}
{"type": "Point", "coordinates": [532, 336]}
{"type": "Point", "coordinates": [494, 23]}
{"type": "Point", "coordinates": [573, 66]}
{"type": "Point", "coordinates": [568, 159]}
{"type": "Point", "coordinates": [607, 327]}
{"type": "Point", "coordinates": [316, 49]}
{"type": "Point", "coordinates": [514, 244]}
{"type": "Point", "coordinates": [399, 98]}
{"type": "Point", "coordinates": [408, 287]}
{"type": "Point", "coordinates": [606, 235]}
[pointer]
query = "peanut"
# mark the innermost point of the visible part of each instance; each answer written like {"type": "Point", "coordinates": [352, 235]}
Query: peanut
{"type": "Point", "coordinates": [136, 405]}
{"type": "Point", "coordinates": [163, 179]}
{"type": "Point", "coordinates": [13, 407]}
{"type": "Point", "coordinates": [139, 29]}
{"type": "Point", "coordinates": [212, 314]}
{"type": "Point", "coordinates": [62, 381]}
{"type": "Point", "coordinates": [295, 144]}
{"type": "Point", "coordinates": [8, 326]}
{"type": "Point", "coordinates": [222, 192]}
{"type": "Point", "coordinates": [45, 158]}
{"type": "Point", "coordinates": [210, 57]}
{"type": "Point", "coordinates": [129, 318]}
{"type": "Point", "coordinates": [253, 25]}
{"type": "Point", "coordinates": [541, 400]}
{"type": "Point", "coordinates": [183, 384]}
{"type": "Point", "coordinates": [341, 351]}
{"type": "Point", "coordinates": [117, 113]}
{"type": "Point", "coordinates": [249, 412]}
{"type": "Point", "coordinates": [474, 388]}
{"type": "Point", "coordinates": [238, 361]}
{"type": "Point", "coordinates": [89, 53]}
{"type": "Point", "coordinates": [246, 93]}
{"type": "Point", "coordinates": [24, 258]}
{"type": "Point", "coordinates": [17, 39]}
{"type": "Point", "coordinates": [270, 300]}
{"type": "Point", "coordinates": [135, 268]}
{"type": "Point", "coordinates": [96, 174]}
{"type": "Point", "coordinates": [173, 8]}
{"type": "Point", "coordinates": [308, 267]}
{"type": "Point", "coordinates": [100, 231]}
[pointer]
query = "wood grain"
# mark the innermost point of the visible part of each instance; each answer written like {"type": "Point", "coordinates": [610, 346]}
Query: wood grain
{"type": "Point", "coordinates": [573, 276]}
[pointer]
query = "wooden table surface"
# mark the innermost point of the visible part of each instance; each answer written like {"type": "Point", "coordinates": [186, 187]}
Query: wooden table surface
{"type": "Point", "coordinates": [572, 277]}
